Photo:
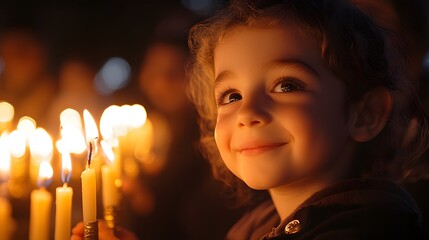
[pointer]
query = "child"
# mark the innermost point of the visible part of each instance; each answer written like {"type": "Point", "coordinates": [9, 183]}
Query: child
{"type": "Point", "coordinates": [297, 97]}
{"type": "Point", "coordinates": [309, 108]}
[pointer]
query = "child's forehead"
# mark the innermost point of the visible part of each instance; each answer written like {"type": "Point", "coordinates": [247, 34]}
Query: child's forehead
{"type": "Point", "coordinates": [261, 52]}
{"type": "Point", "coordinates": [282, 41]}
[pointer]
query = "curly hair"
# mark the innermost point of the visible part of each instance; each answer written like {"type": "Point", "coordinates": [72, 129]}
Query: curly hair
{"type": "Point", "coordinates": [351, 46]}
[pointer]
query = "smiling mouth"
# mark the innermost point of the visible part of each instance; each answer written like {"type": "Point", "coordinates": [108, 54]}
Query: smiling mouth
{"type": "Point", "coordinates": [256, 150]}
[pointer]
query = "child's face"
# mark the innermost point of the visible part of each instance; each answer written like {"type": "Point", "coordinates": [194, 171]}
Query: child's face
{"type": "Point", "coordinates": [281, 114]}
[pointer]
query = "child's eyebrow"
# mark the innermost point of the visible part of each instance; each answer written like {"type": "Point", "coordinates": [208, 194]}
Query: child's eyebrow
{"type": "Point", "coordinates": [294, 63]}
{"type": "Point", "coordinates": [222, 76]}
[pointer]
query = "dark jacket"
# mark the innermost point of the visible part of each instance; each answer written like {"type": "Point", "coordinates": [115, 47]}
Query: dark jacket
{"type": "Point", "coordinates": [350, 209]}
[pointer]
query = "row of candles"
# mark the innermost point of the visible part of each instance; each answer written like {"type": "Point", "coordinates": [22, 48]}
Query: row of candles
{"type": "Point", "coordinates": [114, 123]}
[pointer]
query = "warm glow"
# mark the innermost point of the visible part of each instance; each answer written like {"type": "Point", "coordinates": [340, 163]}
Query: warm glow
{"type": "Point", "coordinates": [6, 112]}
{"type": "Point", "coordinates": [41, 146]}
{"type": "Point", "coordinates": [4, 156]}
{"type": "Point", "coordinates": [70, 117]}
{"type": "Point", "coordinates": [66, 166]}
{"type": "Point", "coordinates": [107, 149]}
{"type": "Point", "coordinates": [61, 146]}
{"type": "Point", "coordinates": [91, 131]}
{"type": "Point", "coordinates": [45, 174]}
{"type": "Point", "coordinates": [73, 139]}
{"type": "Point", "coordinates": [26, 125]}
{"type": "Point", "coordinates": [17, 144]}
{"type": "Point", "coordinates": [139, 116]}
{"type": "Point", "coordinates": [107, 122]}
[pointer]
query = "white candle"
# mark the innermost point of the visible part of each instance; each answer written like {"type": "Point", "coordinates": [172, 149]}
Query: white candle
{"type": "Point", "coordinates": [89, 200]}
{"type": "Point", "coordinates": [63, 202]}
{"type": "Point", "coordinates": [6, 221]}
{"type": "Point", "coordinates": [40, 207]}
{"type": "Point", "coordinates": [63, 212]}
{"type": "Point", "coordinates": [40, 214]}
{"type": "Point", "coordinates": [110, 191]}
{"type": "Point", "coordinates": [89, 194]}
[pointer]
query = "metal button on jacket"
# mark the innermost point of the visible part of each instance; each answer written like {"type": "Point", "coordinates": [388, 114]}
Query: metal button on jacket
{"type": "Point", "coordinates": [292, 227]}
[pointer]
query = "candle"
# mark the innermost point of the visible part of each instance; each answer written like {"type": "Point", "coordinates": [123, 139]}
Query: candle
{"type": "Point", "coordinates": [89, 200]}
{"type": "Point", "coordinates": [6, 115]}
{"type": "Point", "coordinates": [110, 191]}
{"type": "Point", "coordinates": [6, 221]}
{"type": "Point", "coordinates": [40, 208]}
{"type": "Point", "coordinates": [63, 201]}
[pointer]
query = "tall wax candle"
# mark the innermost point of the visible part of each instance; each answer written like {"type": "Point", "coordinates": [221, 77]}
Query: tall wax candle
{"type": "Point", "coordinates": [89, 200]}
{"type": "Point", "coordinates": [63, 212]}
{"type": "Point", "coordinates": [63, 202]}
{"type": "Point", "coordinates": [89, 194]}
{"type": "Point", "coordinates": [110, 192]}
{"type": "Point", "coordinates": [6, 221]}
{"type": "Point", "coordinates": [40, 214]}
{"type": "Point", "coordinates": [40, 207]}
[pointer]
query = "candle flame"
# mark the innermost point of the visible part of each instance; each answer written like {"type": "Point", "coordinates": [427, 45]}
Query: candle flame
{"type": "Point", "coordinates": [70, 117]}
{"type": "Point", "coordinates": [73, 138]}
{"type": "Point", "coordinates": [4, 156]}
{"type": "Point", "coordinates": [107, 149]}
{"type": "Point", "coordinates": [139, 116]}
{"type": "Point", "coordinates": [66, 166]}
{"type": "Point", "coordinates": [6, 112]}
{"type": "Point", "coordinates": [45, 174]}
{"type": "Point", "coordinates": [41, 145]}
{"type": "Point", "coordinates": [27, 126]}
{"type": "Point", "coordinates": [17, 143]}
{"type": "Point", "coordinates": [109, 122]}
{"type": "Point", "coordinates": [91, 133]}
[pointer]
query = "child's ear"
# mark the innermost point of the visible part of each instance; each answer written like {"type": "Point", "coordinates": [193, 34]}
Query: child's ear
{"type": "Point", "coordinates": [369, 116]}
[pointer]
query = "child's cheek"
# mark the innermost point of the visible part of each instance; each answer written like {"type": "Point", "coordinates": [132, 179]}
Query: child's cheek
{"type": "Point", "coordinates": [222, 134]}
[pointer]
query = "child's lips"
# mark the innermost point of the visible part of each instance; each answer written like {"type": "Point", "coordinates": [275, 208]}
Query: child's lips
{"type": "Point", "coordinates": [255, 148]}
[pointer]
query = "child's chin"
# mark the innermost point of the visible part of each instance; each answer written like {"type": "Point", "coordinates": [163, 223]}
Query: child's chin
{"type": "Point", "coordinates": [262, 184]}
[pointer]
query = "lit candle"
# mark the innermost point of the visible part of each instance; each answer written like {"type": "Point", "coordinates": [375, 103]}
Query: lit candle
{"type": "Point", "coordinates": [6, 115]}
{"type": "Point", "coordinates": [110, 192]}
{"type": "Point", "coordinates": [89, 200]}
{"type": "Point", "coordinates": [40, 208]}
{"type": "Point", "coordinates": [63, 201]}
{"type": "Point", "coordinates": [6, 221]}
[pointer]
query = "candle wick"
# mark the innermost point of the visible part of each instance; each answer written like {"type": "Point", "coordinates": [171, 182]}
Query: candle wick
{"type": "Point", "coordinates": [90, 154]}
{"type": "Point", "coordinates": [65, 185]}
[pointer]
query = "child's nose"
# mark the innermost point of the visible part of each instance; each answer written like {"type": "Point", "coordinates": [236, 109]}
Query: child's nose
{"type": "Point", "coordinates": [253, 112]}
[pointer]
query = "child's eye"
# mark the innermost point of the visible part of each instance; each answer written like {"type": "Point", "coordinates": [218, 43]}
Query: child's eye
{"type": "Point", "coordinates": [287, 85]}
{"type": "Point", "coordinates": [228, 96]}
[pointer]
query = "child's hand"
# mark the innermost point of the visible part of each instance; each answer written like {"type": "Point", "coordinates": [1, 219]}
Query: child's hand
{"type": "Point", "coordinates": [104, 233]}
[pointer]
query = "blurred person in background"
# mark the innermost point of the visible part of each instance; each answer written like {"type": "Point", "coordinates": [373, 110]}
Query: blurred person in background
{"type": "Point", "coordinates": [75, 90]}
{"type": "Point", "coordinates": [175, 193]}
{"type": "Point", "coordinates": [411, 21]}
{"type": "Point", "coordinates": [25, 81]}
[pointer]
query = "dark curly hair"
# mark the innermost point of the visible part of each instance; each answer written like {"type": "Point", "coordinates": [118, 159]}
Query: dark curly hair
{"type": "Point", "coordinates": [351, 46]}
